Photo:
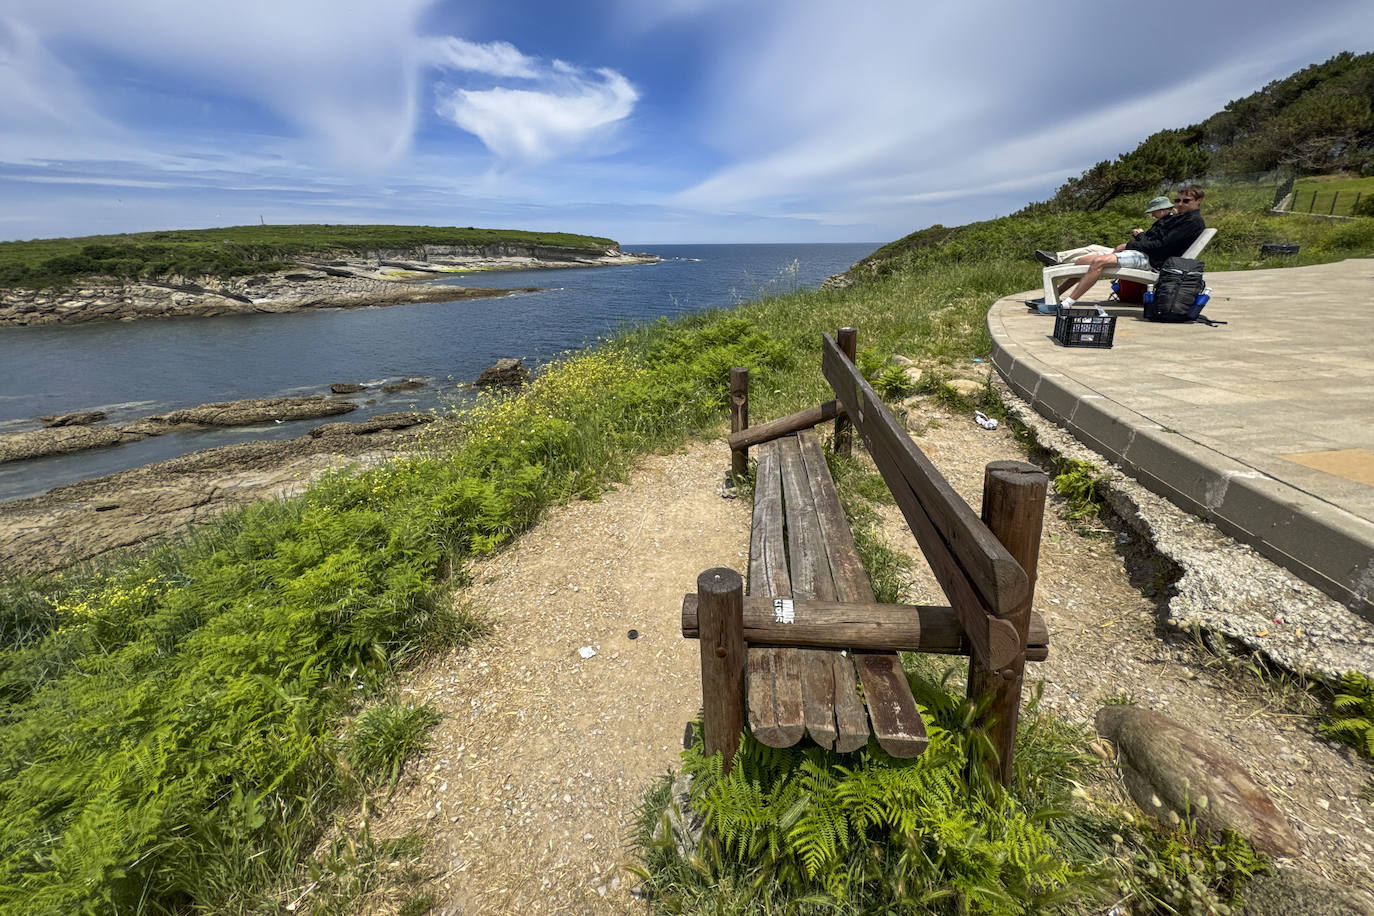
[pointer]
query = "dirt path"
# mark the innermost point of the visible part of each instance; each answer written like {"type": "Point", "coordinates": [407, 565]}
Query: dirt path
{"type": "Point", "coordinates": [543, 756]}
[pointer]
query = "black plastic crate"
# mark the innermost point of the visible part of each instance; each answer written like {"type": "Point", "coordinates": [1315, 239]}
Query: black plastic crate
{"type": "Point", "coordinates": [1084, 328]}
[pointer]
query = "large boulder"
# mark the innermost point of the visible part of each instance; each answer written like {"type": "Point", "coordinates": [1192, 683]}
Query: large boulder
{"type": "Point", "coordinates": [251, 411]}
{"type": "Point", "coordinates": [1171, 771]}
{"type": "Point", "coordinates": [381, 423]}
{"type": "Point", "coordinates": [405, 384]}
{"type": "Point", "coordinates": [80, 418]}
{"type": "Point", "coordinates": [504, 373]}
{"type": "Point", "coordinates": [62, 440]}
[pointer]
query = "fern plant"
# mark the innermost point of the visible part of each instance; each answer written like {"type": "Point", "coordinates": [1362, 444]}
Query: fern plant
{"type": "Point", "coordinates": [811, 825]}
{"type": "Point", "coordinates": [1352, 714]}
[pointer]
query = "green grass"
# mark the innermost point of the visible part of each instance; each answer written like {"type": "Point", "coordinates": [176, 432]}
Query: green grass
{"type": "Point", "coordinates": [1330, 194]}
{"type": "Point", "coordinates": [175, 730]}
{"type": "Point", "coordinates": [237, 250]}
{"type": "Point", "coordinates": [1239, 212]}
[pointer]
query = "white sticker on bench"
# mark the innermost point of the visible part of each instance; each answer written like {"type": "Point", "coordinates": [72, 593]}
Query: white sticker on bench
{"type": "Point", "coordinates": [783, 611]}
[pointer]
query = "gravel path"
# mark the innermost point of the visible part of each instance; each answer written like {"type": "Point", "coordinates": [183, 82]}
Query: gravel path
{"type": "Point", "coordinates": [543, 755]}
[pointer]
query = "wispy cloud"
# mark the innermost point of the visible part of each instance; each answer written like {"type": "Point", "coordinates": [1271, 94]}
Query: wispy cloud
{"type": "Point", "coordinates": [497, 58]}
{"type": "Point", "coordinates": [534, 125]}
{"type": "Point", "coordinates": [895, 106]}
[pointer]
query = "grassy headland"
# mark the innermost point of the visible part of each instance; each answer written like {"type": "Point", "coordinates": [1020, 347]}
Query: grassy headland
{"type": "Point", "coordinates": [239, 250]}
{"type": "Point", "coordinates": [178, 725]}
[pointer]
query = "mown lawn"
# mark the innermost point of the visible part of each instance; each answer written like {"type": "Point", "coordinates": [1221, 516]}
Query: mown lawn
{"type": "Point", "coordinates": [1330, 194]}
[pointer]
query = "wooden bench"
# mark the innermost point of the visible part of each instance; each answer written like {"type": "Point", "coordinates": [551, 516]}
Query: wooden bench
{"type": "Point", "coordinates": [810, 631]}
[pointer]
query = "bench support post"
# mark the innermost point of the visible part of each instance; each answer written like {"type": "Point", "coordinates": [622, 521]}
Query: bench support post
{"type": "Point", "coordinates": [720, 612]}
{"type": "Point", "coordinates": [739, 420]}
{"type": "Point", "coordinates": [848, 341]}
{"type": "Point", "coordinates": [1013, 509]}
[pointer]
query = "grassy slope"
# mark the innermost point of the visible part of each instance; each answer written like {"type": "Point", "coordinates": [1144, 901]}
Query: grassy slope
{"type": "Point", "coordinates": [239, 250]}
{"type": "Point", "coordinates": [1335, 195]}
{"type": "Point", "coordinates": [1238, 212]}
{"type": "Point", "coordinates": [165, 713]}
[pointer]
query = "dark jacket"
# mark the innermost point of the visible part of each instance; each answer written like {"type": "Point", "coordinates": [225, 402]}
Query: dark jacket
{"type": "Point", "coordinates": [1169, 237]}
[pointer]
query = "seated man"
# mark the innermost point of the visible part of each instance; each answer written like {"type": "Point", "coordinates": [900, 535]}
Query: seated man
{"type": "Point", "coordinates": [1169, 237]}
{"type": "Point", "coordinates": [1158, 208]}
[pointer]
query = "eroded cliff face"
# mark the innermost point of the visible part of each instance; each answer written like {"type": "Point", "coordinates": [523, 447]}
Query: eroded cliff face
{"type": "Point", "coordinates": [383, 277]}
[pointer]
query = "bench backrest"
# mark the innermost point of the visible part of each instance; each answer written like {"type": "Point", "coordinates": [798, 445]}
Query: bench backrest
{"type": "Point", "coordinates": [984, 583]}
{"type": "Point", "coordinates": [1199, 243]}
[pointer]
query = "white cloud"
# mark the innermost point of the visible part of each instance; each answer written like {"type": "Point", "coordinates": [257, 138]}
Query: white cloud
{"type": "Point", "coordinates": [894, 106]}
{"type": "Point", "coordinates": [497, 58]}
{"type": "Point", "coordinates": [534, 125]}
{"type": "Point", "coordinates": [346, 83]}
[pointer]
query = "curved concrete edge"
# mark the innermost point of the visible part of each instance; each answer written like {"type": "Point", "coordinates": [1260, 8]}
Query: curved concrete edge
{"type": "Point", "coordinates": [1322, 544]}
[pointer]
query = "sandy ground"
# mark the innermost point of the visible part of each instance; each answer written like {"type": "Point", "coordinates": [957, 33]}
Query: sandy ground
{"type": "Point", "coordinates": [542, 756]}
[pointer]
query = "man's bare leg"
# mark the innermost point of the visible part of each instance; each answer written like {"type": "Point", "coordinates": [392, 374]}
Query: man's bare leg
{"type": "Point", "coordinates": [1096, 264]}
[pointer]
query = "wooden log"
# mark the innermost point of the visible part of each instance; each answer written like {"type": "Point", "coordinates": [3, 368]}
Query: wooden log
{"type": "Point", "coordinates": [831, 707]}
{"type": "Point", "coordinates": [1013, 510]}
{"type": "Point", "coordinates": [848, 339]}
{"type": "Point", "coordinates": [857, 625]}
{"type": "Point", "coordinates": [722, 660]}
{"type": "Point", "coordinates": [996, 576]}
{"type": "Point", "coordinates": [992, 642]}
{"type": "Point", "coordinates": [784, 426]}
{"type": "Point", "coordinates": [896, 721]}
{"type": "Point", "coordinates": [773, 677]}
{"type": "Point", "coordinates": [739, 420]}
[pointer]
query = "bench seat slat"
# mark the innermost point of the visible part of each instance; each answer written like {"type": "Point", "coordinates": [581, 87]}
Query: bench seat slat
{"type": "Point", "coordinates": [831, 707]}
{"type": "Point", "coordinates": [896, 720]}
{"type": "Point", "coordinates": [773, 674]}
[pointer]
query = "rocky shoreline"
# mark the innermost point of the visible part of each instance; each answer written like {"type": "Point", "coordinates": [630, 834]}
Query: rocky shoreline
{"type": "Point", "coordinates": [380, 278]}
{"type": "Point", "coordinates": [83, 520]}
{"type": "Point", "coordinates": [63, 435]}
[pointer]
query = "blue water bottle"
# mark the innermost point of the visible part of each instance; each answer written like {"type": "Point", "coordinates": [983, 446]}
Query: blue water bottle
{"type": "Point", "coordinates": [1199, 302]}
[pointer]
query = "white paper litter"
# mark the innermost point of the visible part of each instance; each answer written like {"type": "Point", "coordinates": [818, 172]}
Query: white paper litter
{"type": "Point", "coordinates": [586, 651]}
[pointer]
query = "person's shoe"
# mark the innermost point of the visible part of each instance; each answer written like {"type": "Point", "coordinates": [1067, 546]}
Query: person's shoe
{"type": "Point", "coordinates": [1048, 258]}
{"type": "Point", "coordinates": [1032, 304]}
{"type": "Point", "coordinates": [1046, 309]}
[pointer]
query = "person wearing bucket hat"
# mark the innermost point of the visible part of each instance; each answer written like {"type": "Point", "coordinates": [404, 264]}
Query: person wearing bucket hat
{"type": "Point", "coordinates": [1169, 236]}
{"type": "Point", "coordinates": [1157, 208]}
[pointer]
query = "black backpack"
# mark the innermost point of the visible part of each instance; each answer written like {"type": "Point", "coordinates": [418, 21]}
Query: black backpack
{"type": "Point", "coordinates": [1179, 284]}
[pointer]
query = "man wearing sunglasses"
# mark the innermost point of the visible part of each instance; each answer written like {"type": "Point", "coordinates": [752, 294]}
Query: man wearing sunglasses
{"type": "Point", "coordinates": [1169, 237]}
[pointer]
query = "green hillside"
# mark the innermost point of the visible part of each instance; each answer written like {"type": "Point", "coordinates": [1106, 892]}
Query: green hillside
{"type": "Point", "coordinates": [238, 250]}
{"type": "Point", "coordinates": [1299, 129]}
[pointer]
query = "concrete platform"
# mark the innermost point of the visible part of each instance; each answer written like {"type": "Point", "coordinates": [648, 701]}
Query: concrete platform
{"type": "Point", "coordinates": [1264, 426]}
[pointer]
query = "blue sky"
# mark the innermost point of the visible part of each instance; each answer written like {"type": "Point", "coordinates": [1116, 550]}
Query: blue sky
{"type": "Point", "coordinates": [663, 121]}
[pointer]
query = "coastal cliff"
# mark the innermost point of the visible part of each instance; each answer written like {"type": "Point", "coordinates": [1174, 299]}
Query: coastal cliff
{"type": "Point", "coordinates": [380, 277]}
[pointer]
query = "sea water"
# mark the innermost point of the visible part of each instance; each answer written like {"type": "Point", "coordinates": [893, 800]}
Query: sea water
{"type": "Point", "coordinates": [133, 369]}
